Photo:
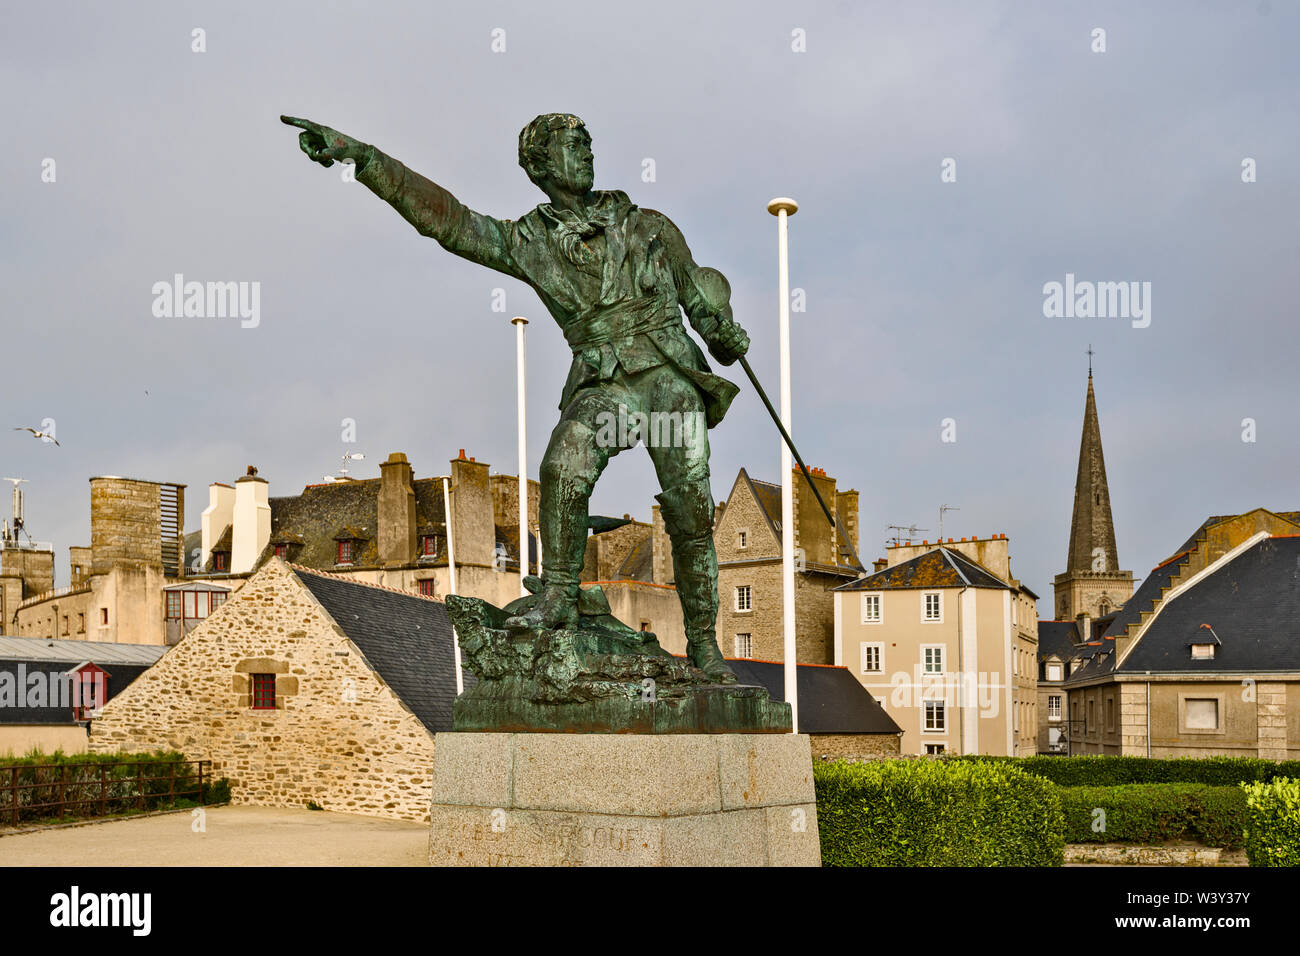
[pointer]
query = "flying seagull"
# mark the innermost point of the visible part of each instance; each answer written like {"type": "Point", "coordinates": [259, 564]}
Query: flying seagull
{"type": "Point", "coordinates": [41, 435]}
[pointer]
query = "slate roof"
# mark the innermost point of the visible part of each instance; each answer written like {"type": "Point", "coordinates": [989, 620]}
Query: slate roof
{"type": "Point", "coordinates": [1253, 604]}
{"type": "Point", "coordinates": [1056, 639]}
{"type": "Point", "coordinates": [768, 497]}
{"type": "Point", "coordinates": [938, 568]}
{"type": "Point", "coordinates": [406, 638]}
{"type": "Point", "coordinates": [21, 670]}
{"type": "Point", "coordinates": [1148, 593]}
{"type": "Point", "coordinates": [314, 519]}
{"type": "Point", "coordinates": [103, 653]}
{"type": "Point", "coordinates": [831, 701]}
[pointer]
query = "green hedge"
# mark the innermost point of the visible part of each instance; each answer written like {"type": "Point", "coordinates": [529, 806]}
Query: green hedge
{"type": "Point", "coordinates": [1155, 813]}
{"type": "Point", "coordinates": [1273, 825]}
{"type": "Point", "coordinates": [936, 813]}
{"type": "Point", "coordinates": [1099, 771]}
{"type": "Point", "coordinates": [92, 785]}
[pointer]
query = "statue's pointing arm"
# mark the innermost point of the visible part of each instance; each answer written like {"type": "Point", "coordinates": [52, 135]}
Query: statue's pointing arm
{"type": "Point", "coordinates": [432, 210]}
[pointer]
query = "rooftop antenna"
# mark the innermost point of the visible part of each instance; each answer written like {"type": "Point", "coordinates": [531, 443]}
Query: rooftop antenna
{"type": "Point", "coordinates": [19, 511]}
{"type": "Point", "coordinates": [942, 509]}
{"type": "Point", "coordinates": [902, 532]}
{"type": "Point", "coordinates": [350, 456]}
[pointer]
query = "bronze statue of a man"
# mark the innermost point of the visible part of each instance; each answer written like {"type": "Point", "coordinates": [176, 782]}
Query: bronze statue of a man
{"type": "Point", "coordinates": [615, 277]}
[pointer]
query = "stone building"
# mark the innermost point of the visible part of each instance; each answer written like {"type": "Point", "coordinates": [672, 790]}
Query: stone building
{"type": "Point", "coordinates": [310, 687]}
{"type": "Point", "coordinates": [303, 687]}
{"type": "Point", "coordinates": [140, 582]}
{"type": "Point", "coordinates": [26, 572]}
{"type": "Point", "coordinates": [946, 639]}
{"type": "Point", "coordinates": [1091, 583]}
{"type": "Point", "coordinates": [1204, 659]}
{"type": "Point", "coordinates": [117, 582]}
{"type": "Point", "coordinates": [747, 537]}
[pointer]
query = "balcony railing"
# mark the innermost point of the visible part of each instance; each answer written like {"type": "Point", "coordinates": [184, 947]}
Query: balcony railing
{"type": "Point", "coordinates": [53, 593]}
{"type": "Point", "coordinates": [13, 544]}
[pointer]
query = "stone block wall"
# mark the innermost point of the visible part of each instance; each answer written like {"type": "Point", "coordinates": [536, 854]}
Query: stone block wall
{"type": "Point", "coordinates": [338, 736]}
{"type": "Point", "coordinates": [854, 746]}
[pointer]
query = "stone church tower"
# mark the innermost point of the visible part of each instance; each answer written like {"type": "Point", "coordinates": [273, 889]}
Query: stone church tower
{"type": "Point", "coordinates": [1092, 583]}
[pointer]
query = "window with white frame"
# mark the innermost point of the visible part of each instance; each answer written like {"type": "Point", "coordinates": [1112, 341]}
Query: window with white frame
{"type": "Point", "coordinates": [744, 598]}
{"type": "Point", "coordinates": [1053, 706]}
{"type": "Point", "coordinates": [934, 750]}
{"type": "Point", "coordinates": [742, 539]}
{"type": "Point", "coordinates": [1053, 671]}
{"type": "Point", "coordinates": [873, 657]}
{"type": "Point", "coordinates": [1202, 652]}
{"type": "Point", "coordinates": [932, 606]}
{"type": "Point", "coordinates": [935, 718]}
{"type": "Point", "coordinates": [872, 608]}
{"type": "Point", "coordinates": [744, 645]}
{"type": "Point", "coordinates": [932, 659]}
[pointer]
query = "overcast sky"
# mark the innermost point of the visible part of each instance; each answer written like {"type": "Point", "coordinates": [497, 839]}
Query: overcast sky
{"type": "Point", "coordinates": [924, 298]}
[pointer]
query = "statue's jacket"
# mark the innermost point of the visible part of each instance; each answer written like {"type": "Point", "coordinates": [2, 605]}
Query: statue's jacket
{"type": "Point", "coordinates": [612, 280]}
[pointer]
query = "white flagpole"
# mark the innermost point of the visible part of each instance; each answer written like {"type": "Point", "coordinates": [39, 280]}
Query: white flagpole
{"type": "Point", "coordinates": [783, 209]}
{"type": "Point", "coordinates": [519, 322]}
{"type": "Point", "coordinates": [451, 568]}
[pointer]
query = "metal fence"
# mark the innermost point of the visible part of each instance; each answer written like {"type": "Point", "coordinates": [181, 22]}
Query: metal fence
{"type": "Point", "coordinates": [43, 792]}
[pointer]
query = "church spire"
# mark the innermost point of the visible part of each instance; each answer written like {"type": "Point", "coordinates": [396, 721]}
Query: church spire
{"type": "Point", "coordinates": [1092, 530]}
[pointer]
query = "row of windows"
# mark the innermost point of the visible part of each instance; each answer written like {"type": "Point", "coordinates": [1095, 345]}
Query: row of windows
{"type": "Point", "coordinates": [873, 610]}
{"type": "Point", "coordinates": [872, 658]}
{"type": "Point", "coordinates": [193, 605]}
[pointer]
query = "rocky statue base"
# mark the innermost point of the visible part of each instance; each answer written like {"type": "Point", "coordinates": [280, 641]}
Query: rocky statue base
{"type": "Point", "coordinates": [597, 677]}
{"type": "Point", "coordinates": [502, 799]}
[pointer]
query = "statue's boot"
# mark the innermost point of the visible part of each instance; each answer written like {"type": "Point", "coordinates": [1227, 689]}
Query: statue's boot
{"type": "Point", "coordinates": [554, 607]}
{"type": "Point", "coordinates": [687, 511]}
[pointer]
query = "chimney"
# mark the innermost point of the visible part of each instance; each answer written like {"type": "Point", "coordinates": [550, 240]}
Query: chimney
{"type": "Point", "coordinates": [472, 512]}
{"type": "Point", "coordinates": [252, 522]}
{"type": "Point", "coordinates": [217, 517]}
{"type": "Point", "coordinates": [396, 512]}
{"type": "Point", "coordinates": [879, 564]}
{"type": "Point", "coordinates": [662, 548]}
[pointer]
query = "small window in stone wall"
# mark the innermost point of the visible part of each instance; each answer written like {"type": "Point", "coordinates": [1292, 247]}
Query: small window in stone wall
{"type": "Point", "coordinates": [429, 587]}
{"type": "Point", "coordinates": [263, 691]}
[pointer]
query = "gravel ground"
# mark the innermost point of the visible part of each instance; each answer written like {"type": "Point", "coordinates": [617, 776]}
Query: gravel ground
{"type": "Point", "coordinates": [234, 836]}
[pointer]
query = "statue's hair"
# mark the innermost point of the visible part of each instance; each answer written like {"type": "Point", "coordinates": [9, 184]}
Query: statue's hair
{"type": "Point", "coordinates": [534, 137]}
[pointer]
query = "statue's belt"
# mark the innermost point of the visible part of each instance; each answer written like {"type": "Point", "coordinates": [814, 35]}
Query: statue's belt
{"type": "Point", "coordinates": [601, 337]}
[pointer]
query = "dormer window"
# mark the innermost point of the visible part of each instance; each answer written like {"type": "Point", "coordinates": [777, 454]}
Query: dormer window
{"type": "Point", "coordinates": [218, 560]}
{"type": "Point", "coordinates": [344, 552]}
{"type": "Point", "coordinates": [282, 551]}
{"type": "Point", "coordinates": [428, 546]}
{"type": "Point", "coordinates": [1203, 652]}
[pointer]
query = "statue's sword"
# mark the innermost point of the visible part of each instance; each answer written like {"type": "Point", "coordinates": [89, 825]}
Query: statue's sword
{"type": "Point", "coordinates": [716, 291]}
{"type": "Point", "coordinates": [744, 363]}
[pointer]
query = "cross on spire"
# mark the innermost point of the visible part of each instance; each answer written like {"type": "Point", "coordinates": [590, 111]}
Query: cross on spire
{"type": "Point", "coordinates": [1089, 360]}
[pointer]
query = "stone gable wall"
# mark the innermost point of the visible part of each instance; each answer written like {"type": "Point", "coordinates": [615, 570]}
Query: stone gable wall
{"type": "Point", "coordinates": [339, 737]}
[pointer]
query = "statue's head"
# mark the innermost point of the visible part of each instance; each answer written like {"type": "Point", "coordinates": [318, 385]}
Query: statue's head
{"type": "Point", "coordinates": [555, 150]}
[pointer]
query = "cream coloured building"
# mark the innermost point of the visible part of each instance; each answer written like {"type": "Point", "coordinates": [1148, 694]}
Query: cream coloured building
{"type": "Point", "coordinates": [947, 643]}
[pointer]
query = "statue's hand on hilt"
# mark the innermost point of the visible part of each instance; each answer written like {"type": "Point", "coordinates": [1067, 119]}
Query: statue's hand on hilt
{"type": "Point", "coordinates": [726, 340]}
{"type": "Point", "coordinates": [324, 145]}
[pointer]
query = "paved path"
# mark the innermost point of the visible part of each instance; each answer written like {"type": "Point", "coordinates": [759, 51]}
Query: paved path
{"type": "Point", "coordinates": [235, 836]}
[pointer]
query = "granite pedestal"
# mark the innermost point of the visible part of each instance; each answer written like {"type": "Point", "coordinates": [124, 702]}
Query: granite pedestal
{"type": "Point", "coordinates": [557, 799]}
